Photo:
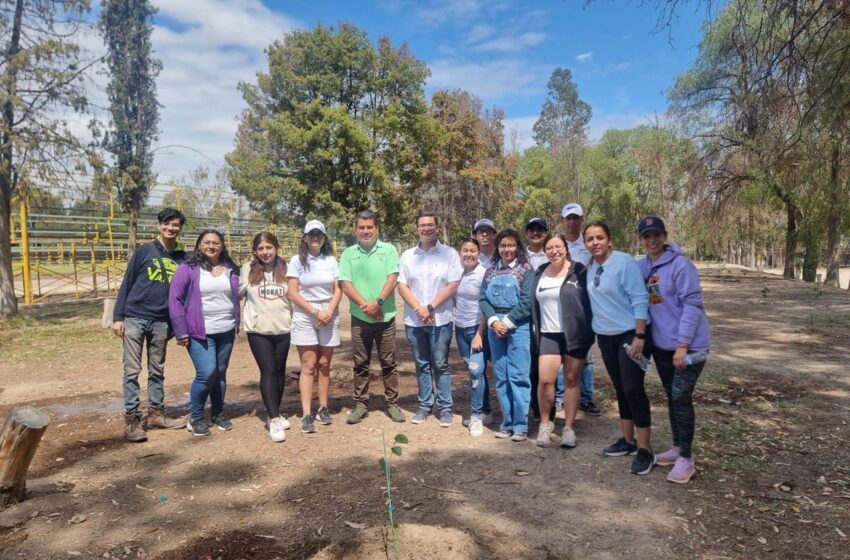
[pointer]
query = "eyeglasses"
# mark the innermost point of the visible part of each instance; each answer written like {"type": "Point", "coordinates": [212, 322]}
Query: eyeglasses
{"type": "Point", "coordinates": [507, 246]}
{"type": "Point", "coordinates": [596, 278]}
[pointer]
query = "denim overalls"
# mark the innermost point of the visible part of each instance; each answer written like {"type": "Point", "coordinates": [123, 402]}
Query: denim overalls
{"type": "Point", "coordinates": [511, 355]}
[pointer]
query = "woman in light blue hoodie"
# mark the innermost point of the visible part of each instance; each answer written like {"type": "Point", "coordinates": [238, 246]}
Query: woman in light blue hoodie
{"type": "Point", "coordinates": [680, 337]}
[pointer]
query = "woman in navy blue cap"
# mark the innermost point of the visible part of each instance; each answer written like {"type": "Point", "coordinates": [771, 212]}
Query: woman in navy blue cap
{"type": "Point", "coordinates": [680, 337]}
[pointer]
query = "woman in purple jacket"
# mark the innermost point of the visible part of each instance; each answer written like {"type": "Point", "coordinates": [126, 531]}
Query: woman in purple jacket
{"type": "Point", "coordinates": [680, 337]}
{"type": "Point", "coordinates": [204, 306]}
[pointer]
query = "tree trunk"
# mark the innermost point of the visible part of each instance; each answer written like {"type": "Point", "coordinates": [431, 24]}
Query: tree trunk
{"type": "Point", "coordinates": [8, 301]}
{"type": "Point", "coordinates": [790, 241]}
{"type": "Point", "coordinates": [19, 440]}
{"type": "Point", "coordinates": [811, 259]}
{"type": "Point", "coordinates": [834, 221]}
{"type": "Point", "coordinates": [132, 227]}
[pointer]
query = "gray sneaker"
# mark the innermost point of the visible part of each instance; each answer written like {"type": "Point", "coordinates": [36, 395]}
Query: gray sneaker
{"type": "Point", "coordinates": [420, 416]}
{"type": "Point", "coordinates": [222, 422]}
{"type": "Point", "coordinates": [357, 415]}
{"type": "Point", "coordinates": [198, 427]}
{"type": "Point", "coordinates": [324, 416]}
{"type": "Point", "coordinates": [446, 419]}
{"type": "Point", "coordinates": [568, 437]}
{"type": "Point", "coordinates": [395, 413]}
{"type": "Point", "coordinates": [519, 436]}
{"type": "Point", "coordinates": [544, 435]}
{"type": "Point", "coordinates": [307, 425]}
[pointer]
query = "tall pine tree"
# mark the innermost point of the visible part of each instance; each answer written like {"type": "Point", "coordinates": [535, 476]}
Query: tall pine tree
{"type": "Point", "coordinates": [126, 27]}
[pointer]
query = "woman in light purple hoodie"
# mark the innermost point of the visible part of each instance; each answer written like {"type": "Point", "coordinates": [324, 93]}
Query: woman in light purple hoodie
{"type": "Point", "coordinates": [680, 337]}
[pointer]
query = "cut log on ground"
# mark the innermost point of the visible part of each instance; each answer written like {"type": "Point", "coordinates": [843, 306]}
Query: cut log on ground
{"type": "Point", "coordinates": [19, 440]}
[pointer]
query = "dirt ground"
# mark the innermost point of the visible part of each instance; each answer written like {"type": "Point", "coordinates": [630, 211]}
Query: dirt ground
{"type": "Point", "coordinates": [771, 449]}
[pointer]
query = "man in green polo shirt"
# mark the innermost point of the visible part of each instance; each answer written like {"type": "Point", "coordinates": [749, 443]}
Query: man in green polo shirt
{"type": "Point", "coordinates": [368, 272]}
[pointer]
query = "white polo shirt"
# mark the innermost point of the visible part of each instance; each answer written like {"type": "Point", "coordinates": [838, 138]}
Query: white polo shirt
{"type": "Point", "coordinates": [426, 273]}
{"type": "Point", "coordinates": [578, 251]}
{"type": "Point", "coordinates": [317, 283]}
{"type": "Point", "coordinates": [466, 299]}
{"type": "Point", "coordinates": [485, 261]}
{"type": "Point", "coordinates": [536, 259]}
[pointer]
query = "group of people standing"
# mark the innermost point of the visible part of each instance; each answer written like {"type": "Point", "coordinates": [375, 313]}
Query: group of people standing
{"type": "Point", "coordinates": [532, 311]}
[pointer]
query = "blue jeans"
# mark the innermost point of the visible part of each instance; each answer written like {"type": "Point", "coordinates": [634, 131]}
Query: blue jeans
{"type": "Point", "coordinates": [210, 357]}
{"type": "Point", "coordinates": [511, 370]}
{"type": "Point", "coordinates": [479, 394]}
{"type": "Point", "coordinates": [586, 382]}
{"type": "Point", "coordinates": [137, 333]}
{"type": "Point", "coordinates": [430, 346]}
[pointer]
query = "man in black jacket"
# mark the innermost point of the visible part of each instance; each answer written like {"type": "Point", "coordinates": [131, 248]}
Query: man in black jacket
{"type": "Point", "coordinates": [141, 317]}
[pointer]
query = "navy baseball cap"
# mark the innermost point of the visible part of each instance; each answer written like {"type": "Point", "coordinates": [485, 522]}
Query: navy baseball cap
{"type": "Point", "coordinates": [651, 223]}
{"type": "Point", "coordinates": [537, 222]}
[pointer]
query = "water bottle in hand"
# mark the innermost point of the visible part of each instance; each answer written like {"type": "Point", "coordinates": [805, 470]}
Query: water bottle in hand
{"type": "Point", "coordinates": [642, 361]}
{"type": "Point", "coordinates": [694, 358]}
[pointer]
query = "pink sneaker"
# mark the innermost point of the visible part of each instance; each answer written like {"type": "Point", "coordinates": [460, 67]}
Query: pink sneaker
{"type": "Point", "coordinates": [667, 458]}
{"type": "Point", "coordinates": [682, 471]}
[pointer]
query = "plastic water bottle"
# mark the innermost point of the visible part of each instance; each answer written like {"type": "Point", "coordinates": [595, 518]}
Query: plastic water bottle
{"type": "Point", "coordinates": [642, 361]}
{"type": "Point", "coordinates": [695, 358]}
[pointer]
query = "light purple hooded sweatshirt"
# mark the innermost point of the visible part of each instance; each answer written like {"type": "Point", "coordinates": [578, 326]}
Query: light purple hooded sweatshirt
{"type": "Point", "coordinates": [675, 301]}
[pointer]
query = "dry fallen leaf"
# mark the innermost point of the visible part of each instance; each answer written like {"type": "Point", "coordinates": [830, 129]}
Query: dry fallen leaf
{"type": "Point", "coordinates": [356, 525]}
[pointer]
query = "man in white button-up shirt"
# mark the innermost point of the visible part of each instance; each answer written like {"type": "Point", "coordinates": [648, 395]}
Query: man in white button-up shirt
{"type": "Point", "coordinates": [429, 275]}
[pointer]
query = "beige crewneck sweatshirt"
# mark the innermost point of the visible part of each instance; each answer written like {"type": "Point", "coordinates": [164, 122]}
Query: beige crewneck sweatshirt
{"type": "Point", "coordinates": [267, 309]}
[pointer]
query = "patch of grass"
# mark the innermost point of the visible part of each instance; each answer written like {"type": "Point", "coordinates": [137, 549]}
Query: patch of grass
{"type": "Point", "coordinates": [25, 339]}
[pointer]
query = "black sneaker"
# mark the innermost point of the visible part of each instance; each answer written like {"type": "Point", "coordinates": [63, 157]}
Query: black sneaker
{"type": "Point", "coordinates": [324, 416]}
{"type": "Point", "coordinates": [307, 425]}
{"type": "Point", "coordinates": [590, 407]}
{"type": "Point", "coordinates": [621, 447]}
{"type": "Point", "coordinates": [198, 427]}
{"type": "Point", "coordinates": [223, 423]}
{"type": "Point", "coordinates": [643, 461]}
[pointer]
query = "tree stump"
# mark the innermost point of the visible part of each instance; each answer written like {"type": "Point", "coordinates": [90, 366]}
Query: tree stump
{"type": "Point", "coordinates": [19, 440]}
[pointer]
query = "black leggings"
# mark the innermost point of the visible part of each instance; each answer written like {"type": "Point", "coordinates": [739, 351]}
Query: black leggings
{"type": "Point", "coordinates": [271, 351]}
{"type": "Point", "coordinates": [679, 385]}
{"type": "Point", "coordinates": [627, 378]}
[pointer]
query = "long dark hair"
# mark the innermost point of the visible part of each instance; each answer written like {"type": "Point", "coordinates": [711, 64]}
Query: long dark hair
{"type": "Point", "coordinates": [197, 258]}
{"type": "Point", "coordinates": [327, 249]}
{"type": "Point", "coordinates": [255, 276]}
{"type": "Point", "coordinates": [521, 255]}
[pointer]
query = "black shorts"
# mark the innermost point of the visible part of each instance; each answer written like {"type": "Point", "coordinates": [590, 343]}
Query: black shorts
{"type": "Point", "coordinates": [554, 344]}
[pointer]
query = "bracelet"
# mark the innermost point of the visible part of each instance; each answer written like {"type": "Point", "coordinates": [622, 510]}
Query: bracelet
{"type": "Point", "coordinates": [682, 345]}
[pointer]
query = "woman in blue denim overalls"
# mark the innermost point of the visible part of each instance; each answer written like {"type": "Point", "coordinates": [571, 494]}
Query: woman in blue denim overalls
{"type": "Point", "coordinates": [506, 304]}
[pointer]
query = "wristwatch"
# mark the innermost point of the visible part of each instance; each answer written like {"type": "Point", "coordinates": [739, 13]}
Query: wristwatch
{"type": "Point", "coordinates": [380, 301]}
{"type": "Point", "coordinates": [640, 335]}
{"type": "Point", "coordinates": [430, 308]}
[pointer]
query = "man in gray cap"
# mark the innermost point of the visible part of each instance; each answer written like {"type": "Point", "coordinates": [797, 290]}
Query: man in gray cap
{"type": "Point", "coordinates": [572, 219]}
{"type": "Point", "coordinates": [484, 231]}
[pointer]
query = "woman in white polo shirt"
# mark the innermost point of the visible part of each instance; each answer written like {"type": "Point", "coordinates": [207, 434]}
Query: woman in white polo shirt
{"type": "Point", "coordinates": [315, 294]}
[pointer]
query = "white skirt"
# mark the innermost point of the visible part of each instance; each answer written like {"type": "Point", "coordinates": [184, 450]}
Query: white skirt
{"type": "Point", "coordinates": [306, 332]}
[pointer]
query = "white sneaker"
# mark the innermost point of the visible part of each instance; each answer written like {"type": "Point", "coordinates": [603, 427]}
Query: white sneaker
{"type": "Point", "coordinates": [544, 435]}
{"type": "Point", "coordinates": [285, 425]}
{"type": "Point", "coordinates": [476, 428]}
{"type": "Point", "coordinates": [276, 430]}
{"type": "Point", "coordinates": [568, 437]}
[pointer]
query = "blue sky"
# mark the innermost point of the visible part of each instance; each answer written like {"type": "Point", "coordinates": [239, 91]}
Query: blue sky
{"type": "Point", "coordinates": [501, 50]}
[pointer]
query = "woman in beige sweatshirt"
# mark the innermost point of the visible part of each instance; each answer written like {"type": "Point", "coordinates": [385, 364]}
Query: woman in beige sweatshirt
{"type": "Point", "coordinates": [267, 318]}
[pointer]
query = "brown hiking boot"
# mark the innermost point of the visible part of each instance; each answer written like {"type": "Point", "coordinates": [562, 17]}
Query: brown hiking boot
{"type": "Point", "coordinates": [133, 429]}
{"type": "Point", "coordinates": [158, 419]}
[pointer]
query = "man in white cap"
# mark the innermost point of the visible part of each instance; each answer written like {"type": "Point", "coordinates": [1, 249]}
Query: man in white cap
{"type": "Point", "coordinates": [484, 231]}
{"type": "Point", "coordinates": [572, 218]}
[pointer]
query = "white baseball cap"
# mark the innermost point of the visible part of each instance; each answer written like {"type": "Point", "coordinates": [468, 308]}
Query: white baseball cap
{"type": "Point", "coordinates": [315, 224]}
{"type": "Point", "coordinates": [572, 209]}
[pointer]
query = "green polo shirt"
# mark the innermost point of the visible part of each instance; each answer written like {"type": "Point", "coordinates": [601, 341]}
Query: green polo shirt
{"type": "Point", "coordinates": [368, 273]}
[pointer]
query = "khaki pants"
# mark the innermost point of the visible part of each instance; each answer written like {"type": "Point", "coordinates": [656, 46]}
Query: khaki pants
{"type": "Point", "coordinates": [363, 336]}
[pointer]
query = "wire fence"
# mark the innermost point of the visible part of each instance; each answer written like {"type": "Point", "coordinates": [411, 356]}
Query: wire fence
{"type": "Point", "coordinates": [67, 243]}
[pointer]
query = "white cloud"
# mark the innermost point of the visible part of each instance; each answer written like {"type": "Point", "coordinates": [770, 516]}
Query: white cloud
{"type": "Point", "coordinates": [443, 11]}
{"type": "Point", "coordinates": [209, 48]}
{"type": "Point", "coordinates": [480, 32]}
{"type": "Point", "coordinates": [511, 43]}
{"type": "Point", "coordinates": [584, 57]}
{"type": "Point", "coordinates": [491, 80]}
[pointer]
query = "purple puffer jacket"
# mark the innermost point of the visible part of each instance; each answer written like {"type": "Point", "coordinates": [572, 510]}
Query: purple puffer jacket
{"type": "Point", "coordinates": [184, 302]}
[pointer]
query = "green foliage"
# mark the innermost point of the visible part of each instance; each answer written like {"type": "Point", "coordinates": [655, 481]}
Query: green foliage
{"type": "Point", "coordinates": [384, 462]}
{"type": "Point", "coordinates": [335, 126]}
{"type": "Point", "coordinates": [564, 117]}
